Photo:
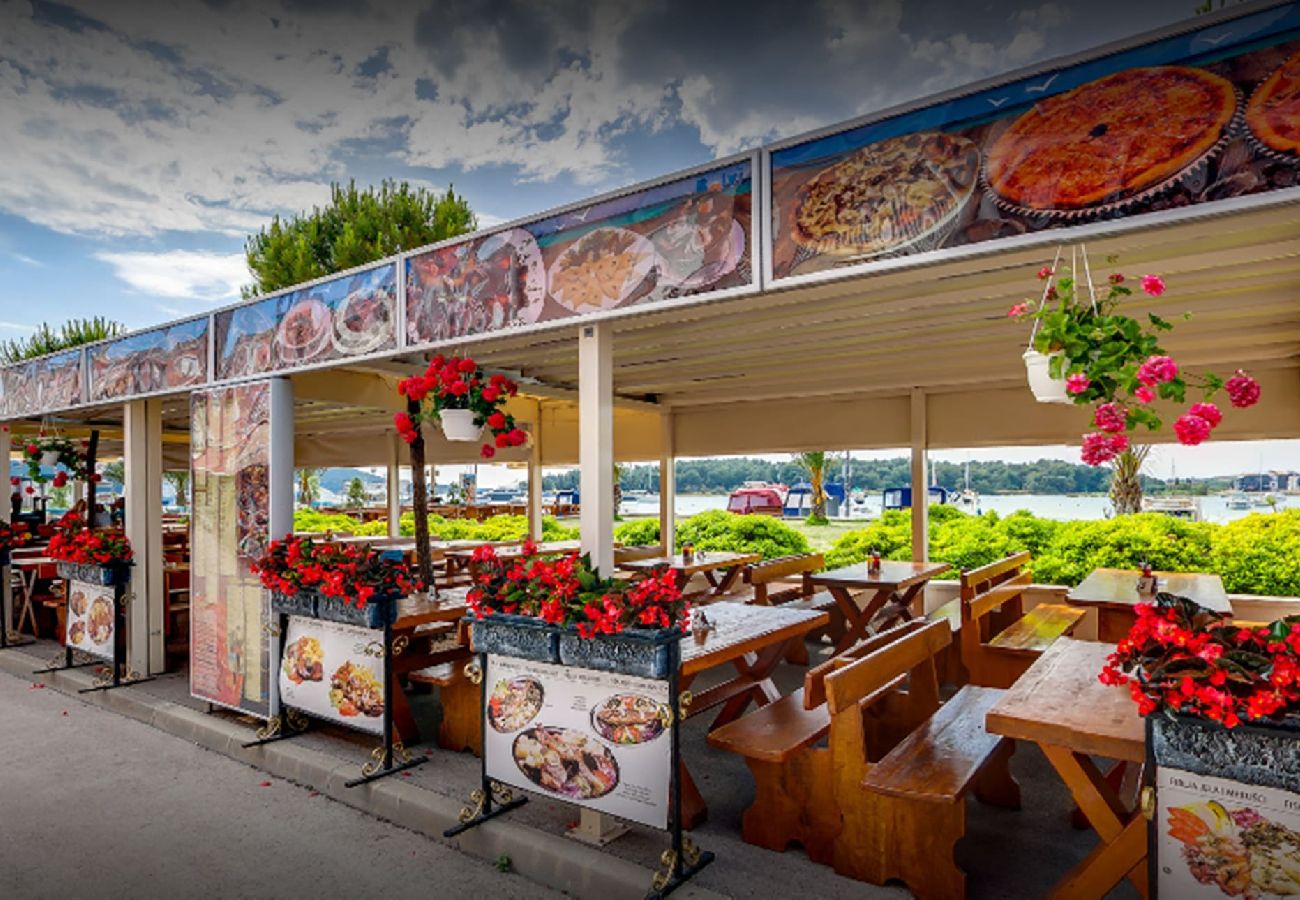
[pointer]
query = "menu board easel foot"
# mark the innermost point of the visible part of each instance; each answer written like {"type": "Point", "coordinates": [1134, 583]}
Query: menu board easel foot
{"type": "Point", "coordinates": [382, 767]}
{"type": "Point", "coordinates": [280, 728]}
{"type": "Point", "coordinates": [679, 868]}
{"type": "Point", "coordinates": [481, 807]}
{"type": "Point", "coordinates": [118, 678]}
{"type": "Point", "coordinates": [67, 660]}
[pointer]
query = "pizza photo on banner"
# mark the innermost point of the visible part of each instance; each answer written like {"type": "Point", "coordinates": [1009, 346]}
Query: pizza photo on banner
{"type": "Point", "coordinates": [1198, 117]}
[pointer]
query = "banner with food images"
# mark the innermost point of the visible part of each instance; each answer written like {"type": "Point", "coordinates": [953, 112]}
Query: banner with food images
{"type": "Point", "coordinates": [51, 382]}
{"type": "Point", "coordinates": [1202, 116]}
{"type": "Point", "coordinates": [334, 672]}
{"type": "Point", "coordinates": [352, 315]}
{"type": "Point", "coordinates": [595, 739]}
{"type": "Point", "coordinates": [1216, 838]}
{"type": "Point", "coordinates": [689, 236]}
{"type": "Point", "coordinates": [91, 619]}
{"type": "Point", "coordinates": [162, 359]}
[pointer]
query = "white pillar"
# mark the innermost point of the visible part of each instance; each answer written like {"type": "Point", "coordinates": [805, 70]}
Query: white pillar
{"type": "Point", "coordinates": [596, 444]}
{"type": "Point", "coordinates": [394, 486]}
{"type": "Point", "coordinates": [535, 475]}
{"type": "Point", "coordinates": [142, 460]}
{"type": "Point", "coordinates": [667, 483]}
{"type": "Point", "coordinates": [920, 478]}
{"type": "Point", "coordinates": [6, 509]}
{"type": "Point", "coordinates": [280, 514]}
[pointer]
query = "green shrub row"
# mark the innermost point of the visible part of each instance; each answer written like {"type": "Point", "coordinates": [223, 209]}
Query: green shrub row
{"type": "Point", "coordinates": [721, 531]}
{"type": "Point", "coordinates": [496, 528]}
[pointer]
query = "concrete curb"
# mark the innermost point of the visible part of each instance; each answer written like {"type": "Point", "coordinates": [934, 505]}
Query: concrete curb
{"type": "Point", "coordinates": [548, 859]}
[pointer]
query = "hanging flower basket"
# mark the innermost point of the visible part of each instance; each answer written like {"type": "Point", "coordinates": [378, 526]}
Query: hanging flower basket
{"type": "Point", "coordinates": [49, 458]}
{"type": "Point", "coordinates": [1045, 388]}
{"type": "Point", "coordinates": [50, 452]}
{"type": "Point", "coordinates": [459, 425]}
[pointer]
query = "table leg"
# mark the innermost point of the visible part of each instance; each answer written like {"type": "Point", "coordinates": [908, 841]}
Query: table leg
{"type": "Point", "coordinates": [1123, 834]}
{"type": "Point", "coordinates": [721, 586]}
{"type": "Point", "coordinates": [857, 620]}
{"type": "Point", "coordinates": [1113, 625]}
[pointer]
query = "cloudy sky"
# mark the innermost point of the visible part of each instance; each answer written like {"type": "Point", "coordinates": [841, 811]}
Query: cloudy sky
{"type": "Point", "coordinates": [143, 141]}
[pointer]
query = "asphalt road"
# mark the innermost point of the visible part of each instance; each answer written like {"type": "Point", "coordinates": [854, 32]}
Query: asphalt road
{"type": "Point", "coordinates": [99, 806]}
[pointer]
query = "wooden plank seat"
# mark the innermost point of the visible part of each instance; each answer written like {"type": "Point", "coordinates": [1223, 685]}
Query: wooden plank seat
{"type": "Point", "coordinates": [787, 581]}
{"type": "Point", "coordinates": [793, 799]}
{"type": "Point", "coordinates": [901, 795]}
{"type": "Point", "coordinates": [999, 641]}
{"type": "Point", "coordinates": [461, 701]}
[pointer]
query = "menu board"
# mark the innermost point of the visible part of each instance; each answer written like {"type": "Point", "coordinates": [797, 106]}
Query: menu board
{"type": "Point", "coordinates": [352, 315]}
{"type": "Point", "coordinates": [335, 672]}
{"type": "Point", "coordinates": [91, 619]}
{"type": "Point", "coordinates": [1217, 838]}
{"type": "Point", "coordinates": [1203, 116]}
{"type": "Point", "coordinates": [689, 236]}
{"type": "Point", "coordinates": [595, 739]}
{"type": "Point", "coordinates": [164, 358]}
{"type": "Point", "coordinates": [51, 382]}
{"type": "Point", "coordinates": [230, 446]}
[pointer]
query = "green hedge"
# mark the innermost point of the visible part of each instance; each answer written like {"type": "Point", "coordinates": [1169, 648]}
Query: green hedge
{"type": "Point", "coordinates": [638, 533]}
{"type": "Point", "coordinates": [719, 530]}
{"type": "Point", "coordinates": [496, 528]}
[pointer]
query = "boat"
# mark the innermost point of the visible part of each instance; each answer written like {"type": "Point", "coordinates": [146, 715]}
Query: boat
{"type": "Point", "coordinates": [1237, 500]}
{"type": "Point", "coordinates": [1187, 508]}
{"type": "Point", "coordinates": [798, 500]}
{"type": "Point", "coordinates": [901, 497]}
{"type": "Point", "coordinates": [967, 500]}
{"type": "Point", "coordinates": [1269, 500]}
{"type": "Point", "coordinates": [762, 501]}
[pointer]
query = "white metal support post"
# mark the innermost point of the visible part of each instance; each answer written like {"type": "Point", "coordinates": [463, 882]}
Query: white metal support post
{"type": "Point", "coordinates": [596, 444]}
{"type": "Point", "coordinates": [394, 486]}
{"type": "Point", "coordinates": [920, 479]}
{"type": "Point", "coordinates": [535, 509]}
{"type": "Point", "coordinates": [667, 483]}
{"type": "Point", "coordinates": [280, 502]}
{"type": "Point", "coordinates": [142, 460]}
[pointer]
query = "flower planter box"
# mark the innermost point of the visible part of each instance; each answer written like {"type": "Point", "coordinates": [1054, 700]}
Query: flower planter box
{"type": "Point", "coordinates": [458, 425]}
{"type": "Point", "coordinates": [1045, 388]}
{"type": "Point", "coordinates": [4, 557]}
{"type": "Point", "coordinates": [1253, 754]}
{"type": "Point", "coordinates": [377, 612]}
{"type": "Point", "coordinates": [635, 651]}
{"type": "Point", "coordinates": [522, 637]}
{"type": "Point", "coordinates": [103, 575]}
{"type": "Point", "coordinates": [302, 603]}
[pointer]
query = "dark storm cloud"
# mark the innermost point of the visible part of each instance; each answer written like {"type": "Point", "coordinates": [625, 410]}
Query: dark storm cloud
{"type": "Point", "coordinates": [530, 35]}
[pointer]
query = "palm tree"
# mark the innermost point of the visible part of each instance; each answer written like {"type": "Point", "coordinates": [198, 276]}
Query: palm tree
{"type": "Point", "coordinates": [179, 479]}
{"type": "Point", "coordinates": [815, 465]}
{"type": "Point", "coordinates": [308, 486]}
{"type": "Point", "coordinates": [1126, 479]}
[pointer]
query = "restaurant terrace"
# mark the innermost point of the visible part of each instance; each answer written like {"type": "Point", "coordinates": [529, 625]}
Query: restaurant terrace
{"type": "Point", "coordinates": [714, 311]}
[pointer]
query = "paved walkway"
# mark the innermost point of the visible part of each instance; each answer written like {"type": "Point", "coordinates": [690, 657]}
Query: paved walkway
{"type": "Point", "coordinates": [99, 806]}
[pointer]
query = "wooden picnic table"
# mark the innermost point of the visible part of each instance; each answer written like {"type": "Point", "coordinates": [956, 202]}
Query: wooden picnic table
{"type": "Point", "coordinates": [753, 639]}
{"type": "Point", "coordinates": [1114, 593]}
{"type": "Point", "coordinates": [1060, 705]}
{"type": "Point", "coordinates": [894, 583]}
{"type": "Point", "coordinates": [424, 646]}
{"type": "Point", "coordinates": [32, 569]}
{"type": "Point", "coordinates": [719, 568]}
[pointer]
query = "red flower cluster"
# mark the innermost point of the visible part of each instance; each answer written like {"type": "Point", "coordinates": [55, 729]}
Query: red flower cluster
{"type": "Point", "coordinates": [71, 460]}
{"type": "Point", "coordinates": [461, 383]}
{"type": "Point", "coordinates": [73, 542]}
{"type": "Point", "coordinates": [13, 536]}
{"type": "Point", "coordinates": [1182, 658]}
{"type": "Point", "coordinates": [354, 572]}
{"type": "Point", "coordinates": [565, 590]}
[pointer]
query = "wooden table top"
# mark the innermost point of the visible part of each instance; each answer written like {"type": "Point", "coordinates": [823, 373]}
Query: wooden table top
{"type": "Point", "coordinates": [739, 628]}
{"type": "Point", "coordinates": [413, 611]}
{"type": "Point", "coordinates": [1060, 701]}
{"type": "Point", "coordinates": [709, 561]}
{"type": "Point", "coordinates": [892, 574]}
{"type": "Point", "coordinates": [515, 549]}
{"type": "Point", "coordinates": [1118, 588]}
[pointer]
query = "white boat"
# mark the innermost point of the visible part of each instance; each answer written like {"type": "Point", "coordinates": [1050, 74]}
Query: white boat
{"type": "Point", "coordinates": [1237, 500]}
{"type": "Point", "coordinates": [1269, 501]}
{"type": "Point", "coordinates": [1188, 508]}
{"type": "Point", "coordinates": [968, 501]}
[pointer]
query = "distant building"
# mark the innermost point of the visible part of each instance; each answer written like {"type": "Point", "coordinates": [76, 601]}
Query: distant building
{"type": "Point", "coordinates": [1264, 482]}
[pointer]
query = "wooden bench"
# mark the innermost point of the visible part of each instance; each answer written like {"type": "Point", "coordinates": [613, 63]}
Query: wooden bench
{"type": "Point", "coordinates": [787, 582]}
{"type": "Point", "coordinates": [999, 640]}
{"type": "Point", "coordinates": [793, 801]}
{"type": "Point", "coordinates": [631, 554]}
{"type": "Point", "coordinates": [461, 727]}
{"type": "Point", "coordinates": [902, 796]}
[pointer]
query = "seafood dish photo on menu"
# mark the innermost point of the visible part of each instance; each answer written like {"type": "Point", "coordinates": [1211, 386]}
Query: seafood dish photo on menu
{"type": "Point", "coordinates": [514, 703]}
{"type": "Point", "coordinates": [566, 762]}
{"type": "Point", "coordinates": [628, 719]}
{"type": "Point", "coordinates": [1165, 125]}
{"type": "Point", "coordinates": [684, 237]}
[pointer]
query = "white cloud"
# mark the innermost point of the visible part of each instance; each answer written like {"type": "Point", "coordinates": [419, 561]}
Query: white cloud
{"type": "Point", "coordinates": [181, 274]}
{"type": "Point", "coordinates": [15, 326]}
{"type": "Point", "coordinates": [28, 260]}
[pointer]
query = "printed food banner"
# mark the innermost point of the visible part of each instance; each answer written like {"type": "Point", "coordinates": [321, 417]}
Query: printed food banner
{"type": "Point", "coordinates": [230, 447]}
{"type": "Point", "coordinates": [690, 236]}
{"type": "Point", "coordinates": [1202, 116]}
{"type": "Point", "coordinates": [92, 615]}
{"type": "Point", "coordinates": [157, 360]}
{"type": "Point", "coordinates": [347, 316]}
{"type": "Point", "coordinates": [335, 672]}
{"type": "Point", "coordinates": [594, 739]}
{"type": "Point", "coordinates": [1220, 838]}
{"type": "Point", "coordinates": [51, 382]}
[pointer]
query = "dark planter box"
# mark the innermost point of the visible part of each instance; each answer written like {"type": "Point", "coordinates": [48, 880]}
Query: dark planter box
{"type": "Point", "coordinates": [103, 575]}
{"type": "Point", "coordinates": [522, 637]}
{"type": "Point", "coordinates": [377, 612]}
{"type": "Point", "coordinates": [1255, 754]}
{"type": "Point", "coordinates": [302, 603]}
{"type": "Point", "coordinates": [635, 651]}
{"type": "Point", "coordinates": [4, 557]}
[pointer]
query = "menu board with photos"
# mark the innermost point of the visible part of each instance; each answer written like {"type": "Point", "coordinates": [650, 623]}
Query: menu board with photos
{"type": "Point", "coordinates": [174, 357]}
{"type": "Point", "coordinates": [1197, 117]}
{"type": "Point", "coordinates": [335, 672]}
{"type": "Point", "coordinates": [91, 619]}
{"type": "Point", "coordinates": [1217, 838]}
{"type": "Point", "coordinates": [348, 316]}
{"type": "Point", "coordinates": [689, 236]}
{"type": "Point", "coordinates": [599, 740]}
{"type": "Point", "coordinates": [230, 454]}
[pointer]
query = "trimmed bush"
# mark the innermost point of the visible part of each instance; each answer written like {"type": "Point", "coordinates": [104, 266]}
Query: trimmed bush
{"type": "Point", "coordinates": [311, 520]}
{"type": "Point", "coordinates": [638, 533]}
{"type": "Point", "coordinates": [891, 534]}
{"type": "Point", "coordinates": [496, 528]}
{"type": "Point", "coordinates": [1124, 542]}
{"type": "Point", "coordinates": [724, 531]}
{"type": "Point", "coordinates": [1259, 554]}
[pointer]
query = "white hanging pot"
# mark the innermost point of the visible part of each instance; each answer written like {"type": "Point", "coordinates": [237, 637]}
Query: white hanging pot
{"type": "Point", "coordinates": [50, 458]}
{"type": "Point", "coordinates": [458, 425]}
{"type": "Point", "coordinates": [1046, 389]}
